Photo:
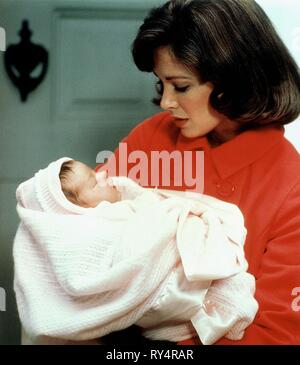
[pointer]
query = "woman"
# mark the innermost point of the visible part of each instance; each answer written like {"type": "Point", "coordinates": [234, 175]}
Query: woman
{"type": "Point", "coordinates": [228, 85]}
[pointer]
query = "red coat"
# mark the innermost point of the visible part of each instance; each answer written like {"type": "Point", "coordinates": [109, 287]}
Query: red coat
{"type": "Point", "coordinates": [260, 172]}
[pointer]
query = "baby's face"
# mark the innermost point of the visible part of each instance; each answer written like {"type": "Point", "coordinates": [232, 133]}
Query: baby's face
{"type": "Point", "coordinates": [89, 191]}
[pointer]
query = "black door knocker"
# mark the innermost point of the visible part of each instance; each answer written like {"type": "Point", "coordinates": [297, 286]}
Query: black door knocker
{"type": "Point", "coordinates": [26, 63]}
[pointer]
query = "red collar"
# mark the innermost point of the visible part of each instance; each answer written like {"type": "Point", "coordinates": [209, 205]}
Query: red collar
{"type": "Point", "coordinates": [237, 153]}
{"type": "Point", "coordinates": [245, 149]}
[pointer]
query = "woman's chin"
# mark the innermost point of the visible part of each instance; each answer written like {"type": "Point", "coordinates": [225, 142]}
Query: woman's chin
{"type": "Point", "coordinates": [187, 133]}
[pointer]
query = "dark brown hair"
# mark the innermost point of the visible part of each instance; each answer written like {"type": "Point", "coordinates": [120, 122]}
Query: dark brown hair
{"type": "Point", "coordinates": [233, 45]}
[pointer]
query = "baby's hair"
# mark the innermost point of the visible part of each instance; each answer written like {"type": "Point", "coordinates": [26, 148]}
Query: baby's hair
{"type": "Point", "coordinates": [66, 180]}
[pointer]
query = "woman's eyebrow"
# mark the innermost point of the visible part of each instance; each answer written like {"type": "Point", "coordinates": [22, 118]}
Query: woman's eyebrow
{"type": "Point", "coordinates": [177, 77]}
{"type": "Point", "coordinates": [168, 78]}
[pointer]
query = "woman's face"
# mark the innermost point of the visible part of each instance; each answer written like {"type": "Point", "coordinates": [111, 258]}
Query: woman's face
{"type": "Point", "coordinates": [185, 97]}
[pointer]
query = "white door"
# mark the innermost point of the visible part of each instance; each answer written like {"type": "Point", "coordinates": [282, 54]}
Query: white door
{"type": "Point", "coordinates": [91, 97]}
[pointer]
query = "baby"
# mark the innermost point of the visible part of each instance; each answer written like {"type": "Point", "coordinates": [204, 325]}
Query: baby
{"type": "Point", "coordinates": [82, 186]}
{"type": "Point", "coordinates": [174, 269]}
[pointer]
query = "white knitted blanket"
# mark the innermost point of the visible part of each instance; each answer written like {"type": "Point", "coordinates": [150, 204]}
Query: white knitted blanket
{"type": "Point", "coordinates": [82, 276]}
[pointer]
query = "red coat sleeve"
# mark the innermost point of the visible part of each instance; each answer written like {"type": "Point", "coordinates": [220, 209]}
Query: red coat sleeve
{"type": "Point", "coordinates": [278, 282]}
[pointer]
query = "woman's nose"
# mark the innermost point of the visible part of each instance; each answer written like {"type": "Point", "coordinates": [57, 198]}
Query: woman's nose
{"type": "Point", "coordinates": [168, 101]}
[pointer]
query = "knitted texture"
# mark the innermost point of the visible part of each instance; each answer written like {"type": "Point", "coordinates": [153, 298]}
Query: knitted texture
{"type": "Point", "coordinates": [43, 191]}
{"type": "Point", "coordinates": [83, 273]}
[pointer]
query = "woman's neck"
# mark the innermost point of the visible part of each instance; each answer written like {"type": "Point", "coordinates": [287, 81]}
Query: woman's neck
{"type": "Point", "coordinates": [224, 132]}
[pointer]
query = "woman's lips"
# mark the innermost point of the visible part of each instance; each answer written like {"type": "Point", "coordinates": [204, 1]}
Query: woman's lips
{"type": "Point", "coordinates": [180, 123]}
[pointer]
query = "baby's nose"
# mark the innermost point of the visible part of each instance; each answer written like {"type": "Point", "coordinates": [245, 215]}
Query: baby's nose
{"type": "Point", "coordinates": [101, 178]}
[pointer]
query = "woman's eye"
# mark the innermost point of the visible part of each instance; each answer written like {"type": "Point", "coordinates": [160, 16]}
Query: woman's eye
{"type": "Point", "coordinates": [181, 89]}
{"type": "Point", "coordinates": [160, 88]}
